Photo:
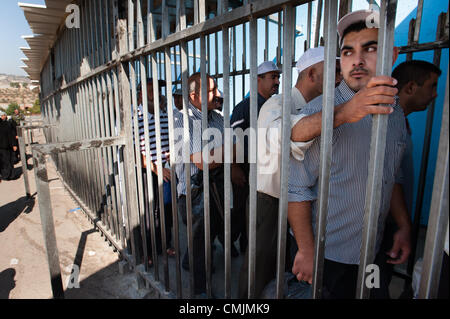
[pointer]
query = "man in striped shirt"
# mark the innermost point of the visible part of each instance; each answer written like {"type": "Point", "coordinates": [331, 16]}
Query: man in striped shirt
{"type": "Point", "coordinates": [356, 98]}
{"type": "Point", "coordinates": [152, 153]}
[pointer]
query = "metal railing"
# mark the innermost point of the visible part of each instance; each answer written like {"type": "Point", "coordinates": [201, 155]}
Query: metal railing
{"type": "Point", "coordinates": [89, 102]}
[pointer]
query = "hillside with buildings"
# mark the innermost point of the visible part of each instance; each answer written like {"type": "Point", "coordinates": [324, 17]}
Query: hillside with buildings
{"type": "Point", "coordinates": [18, 89]}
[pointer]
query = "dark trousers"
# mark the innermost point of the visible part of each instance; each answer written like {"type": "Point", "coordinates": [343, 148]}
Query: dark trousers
{"type": "Point", "coordinates": [198, 233]}
{"type": "Point", "coordinates": [157, 216]}
{"type": "Point", "coordinates": [6, 166]}
{"type": "Point", "coordinates": [238, 214]}
{"type": "Point", "coordinates": [340, 280]}
{"type": "Point", "coordinates": [266, 247]}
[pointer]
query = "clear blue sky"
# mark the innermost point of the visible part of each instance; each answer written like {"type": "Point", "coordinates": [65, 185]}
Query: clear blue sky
{"type": "Point", "coordinates": [12, 26]}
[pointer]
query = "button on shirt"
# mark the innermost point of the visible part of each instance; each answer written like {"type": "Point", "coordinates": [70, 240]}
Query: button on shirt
{"type": "Point", "coordinates": [215, 122]}
{"type": "Point", "coordinates": [269, 141]}
{"type": "Point", "coordinates": [348, 177]}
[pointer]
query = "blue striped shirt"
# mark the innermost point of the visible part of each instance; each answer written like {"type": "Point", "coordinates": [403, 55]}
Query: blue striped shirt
{"type": "Point", "coordinates": [348, 177]}
{"type": "Point", "coordinates": [215, 121]}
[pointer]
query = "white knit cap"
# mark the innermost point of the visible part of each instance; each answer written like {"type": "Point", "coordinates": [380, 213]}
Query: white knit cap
{"type": "Point", "coordinates": [267, 66]}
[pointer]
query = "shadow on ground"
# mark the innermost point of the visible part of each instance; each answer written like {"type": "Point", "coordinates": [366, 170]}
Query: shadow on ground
{"type": "Point", "coordinates": [10, 211]}
{"type": "Point", "coordinates": [7, 282]}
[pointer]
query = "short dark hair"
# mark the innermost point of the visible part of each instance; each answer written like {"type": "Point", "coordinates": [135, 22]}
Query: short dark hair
{"type": "Point", "coordinates": [355, 27]}
{"type": "Point", "coordinates": [417, 71]}
{"type": "Point", "coordinates": [161, 83]}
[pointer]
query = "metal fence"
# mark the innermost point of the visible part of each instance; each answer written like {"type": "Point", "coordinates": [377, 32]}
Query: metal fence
{"type": "Point", "coordinates": [89, 95]}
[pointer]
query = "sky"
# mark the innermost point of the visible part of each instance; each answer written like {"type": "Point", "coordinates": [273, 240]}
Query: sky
{"type": "Point", "coordinates": [12, 26]}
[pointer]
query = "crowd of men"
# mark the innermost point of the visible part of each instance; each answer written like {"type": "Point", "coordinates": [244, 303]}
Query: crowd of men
{"type": "Point", "coordinates": [359, 94]}
{"type": "Point", "coordinates": [9, 150]}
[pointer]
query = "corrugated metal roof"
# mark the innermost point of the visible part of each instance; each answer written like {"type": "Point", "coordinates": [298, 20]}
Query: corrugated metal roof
{"type": "Point", "coordinates": [44, 22]}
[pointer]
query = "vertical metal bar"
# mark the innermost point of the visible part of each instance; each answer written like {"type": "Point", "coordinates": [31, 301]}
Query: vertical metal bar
{"type": "Point", "coordinates": [130, 175]}
{"type": "Point", "coordinates": [186, 143]}
{"type": "Point", "coordinates": [159, 163]}
{"type": "Point", "coordinates": [318, 22]}
{"type": "Point", "coordinates": [205, 160]}
{"type": "Point", "coordinates": [227, 149]}
{"type": "Point", "coordinates": [424, 160]}
{"type": "Point", "coordinates": [288, 50]}
{"type": "Point", "coordinates": [173, 164]}
{"type": "Point", "coordinates": [330, 15]}
{"type": "Point", "coordinates": [309, 27]}
{"type": "Point", "coordinates": [279, 38]}
{"type": "Point", "coordinates": [144, 106]}
{"type": "Point", "coordinates": [438, 220]}
{"type": "Point", "coordinates": [23, 158]}
{"type": "Point", "coordinates": [418, 21]}
{"type": "Point", "coordinates": [377, 149]}
{"type": "Point", "coordinates": [266, 40]}
{"type": "Point", "coordinates": [252, 156]}
{"type": "Point", "coordinates": [48, 227]}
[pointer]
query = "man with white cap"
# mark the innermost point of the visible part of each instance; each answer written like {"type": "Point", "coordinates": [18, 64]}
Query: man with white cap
{"type": "Point", "coordinates": [356, 98]}
{"type": "Point", "coordinates": [308, 86]}
{"type": "Point", "coordinates": [268, 84]}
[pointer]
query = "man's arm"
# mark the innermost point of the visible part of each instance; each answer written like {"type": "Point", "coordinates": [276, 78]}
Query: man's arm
{"type": "Point", "coordinates": [366, 101]}
{"type": "Point", "coordinates": [299, 216]}
{"type": "Point", "coordinates": [402, 244]}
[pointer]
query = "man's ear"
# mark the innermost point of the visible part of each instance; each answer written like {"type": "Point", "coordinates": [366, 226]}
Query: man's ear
{"type": "Point", "coordinates": [410, 88]}
{"type": "Point", "coordinates": [311, 74]}
{"type": "Point", "coordinates": [395, 55]}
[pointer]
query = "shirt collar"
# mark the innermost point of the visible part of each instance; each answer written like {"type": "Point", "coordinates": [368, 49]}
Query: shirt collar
{"type": "Point", "coordinates": [298, 99]}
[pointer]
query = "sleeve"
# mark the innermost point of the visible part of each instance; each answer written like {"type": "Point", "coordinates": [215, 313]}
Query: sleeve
{"type": "Point", "coordinates": [303, 176]}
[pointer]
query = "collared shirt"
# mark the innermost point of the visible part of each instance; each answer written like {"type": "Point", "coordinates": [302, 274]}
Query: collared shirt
{"type": "Point", "coordinates": [164, 131]}
{"type": "Point", "coordinates": [348, 178]}
{"type": "Point", "coordinates": [215, 122]}
{"type": "Point", "coordinates": [269, 141]}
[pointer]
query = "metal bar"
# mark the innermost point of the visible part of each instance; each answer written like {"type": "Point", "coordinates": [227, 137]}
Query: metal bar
{"type": "Point", "coordinates": [438, 220]}
{"type": "Point", "coordinates": [418, 21]}
{"type": "Point", "coordinates": [424, 160]}
{"type": "Point", "coordinates": [227, 152]}
{"type": "Point", "coordinates": [23, 159]}
{"type": "Point", "coordinates": [48, 227]}
{"type": "Point", "coordinates": [288, 51]}
{"type": "Point", "coordinates": [150, 192]}
{"type": "Point", "coordinates": [377, 148]}
{"type": "Point", "coordinates": [160, 168]}
{"type": "Point", "coordinates": [205, 160]}
{"type": "Point", "coordinates": [186, 143]}
{"type": "Point", "coordinates": [173, 164]}
{"type": "Point", "coordinates": [252, 159]}
{"type": "Point", "coordinates": [130, 176]}
{"type": "Point", "coordinates": [318, 22]}
{"type": "Point", "coordinates": [309, 27]}
{"type": "Point", "coordinates": [330, 15]}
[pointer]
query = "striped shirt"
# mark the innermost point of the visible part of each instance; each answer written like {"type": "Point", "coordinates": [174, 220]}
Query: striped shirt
{"type": "Point", "coordinates": [164, 121]}
{"type": "Point", "coordinates": [348, 177]}
{"type": "Point", "coordinates": [215, 121]}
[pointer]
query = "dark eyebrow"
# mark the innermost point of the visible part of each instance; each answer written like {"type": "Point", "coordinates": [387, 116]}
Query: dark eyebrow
{"type": "Point", "coordinates": [369, 43]}
{"type": "Point", "coordinates": [346, 47]}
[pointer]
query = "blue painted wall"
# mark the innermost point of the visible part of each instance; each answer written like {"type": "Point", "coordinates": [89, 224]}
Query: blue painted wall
{"type": "Point", "coordinates": [431, 11]}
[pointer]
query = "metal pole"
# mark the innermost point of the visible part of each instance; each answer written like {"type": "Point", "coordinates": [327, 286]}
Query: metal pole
{"type": "Point", "coordinates": [252, 158]}
{"type": "Point", "coordinates": [438, 220]}
{"type": "Point", "coordinates": [23, 159]}
{"type": "Point", "coordinates": [48, 227]}
{"type": "Point", "coordinates": [325, 143]}
{"type": "Point", "coordinates": [377, 149]}
{"type": "Point", "coordinates": [288, 50]}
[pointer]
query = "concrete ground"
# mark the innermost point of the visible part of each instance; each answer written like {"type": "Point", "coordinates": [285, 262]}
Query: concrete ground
{"type": "Point", "coordinates": [24, 269]}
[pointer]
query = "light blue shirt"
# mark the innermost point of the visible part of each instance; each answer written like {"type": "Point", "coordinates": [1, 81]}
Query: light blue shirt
{"type": "Point", "coordinates": [348, 177]}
